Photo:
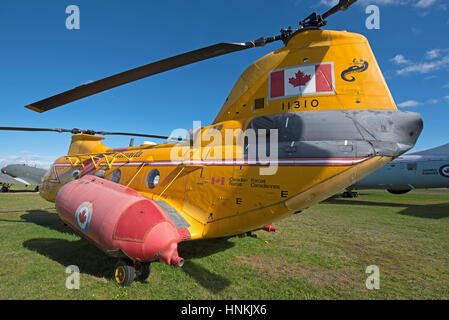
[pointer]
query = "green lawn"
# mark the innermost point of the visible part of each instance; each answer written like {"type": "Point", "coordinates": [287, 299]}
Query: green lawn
{"type": "Point", "coordinates": [321, 253]}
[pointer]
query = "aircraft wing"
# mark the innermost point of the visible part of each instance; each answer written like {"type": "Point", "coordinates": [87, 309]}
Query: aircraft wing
{"type": "Point", "coordinates": [6, 179]}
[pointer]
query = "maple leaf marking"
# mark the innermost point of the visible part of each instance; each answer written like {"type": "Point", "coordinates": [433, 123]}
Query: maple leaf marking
{"type": "Point", "coordinates": [300, 79]}
{"type": "Point", "coordinates": [82, 216]}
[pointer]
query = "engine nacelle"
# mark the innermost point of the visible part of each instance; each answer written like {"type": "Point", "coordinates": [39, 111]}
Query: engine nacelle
{"type": "Point", "coordinates": [117, 218]}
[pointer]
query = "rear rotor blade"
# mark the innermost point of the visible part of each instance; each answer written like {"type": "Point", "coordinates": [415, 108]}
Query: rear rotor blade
{"type": "Point", "coordinates": [102, 133]}
{"type": "Point", "coordinates": [91, 132]}
{"type": "Point", "coordinates": [138, 73]}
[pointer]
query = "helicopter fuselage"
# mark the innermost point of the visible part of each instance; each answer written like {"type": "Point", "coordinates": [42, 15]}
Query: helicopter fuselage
{"type": "Point", "coordinates": [323, 97]}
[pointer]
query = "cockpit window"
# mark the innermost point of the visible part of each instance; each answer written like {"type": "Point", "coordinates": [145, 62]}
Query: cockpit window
{"type": "Point", "coordinates": [48, 173]}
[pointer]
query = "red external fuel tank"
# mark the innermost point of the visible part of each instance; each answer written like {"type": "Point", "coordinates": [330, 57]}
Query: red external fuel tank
{"type": "Point", "coordinates": [117, 218]}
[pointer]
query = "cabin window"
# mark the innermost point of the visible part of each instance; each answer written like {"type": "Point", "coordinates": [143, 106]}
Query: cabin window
{"type": "Point", "coordinates": [116, 175]}
{"type": "Point", "coordinates": [153, 178]}
{"type": "Point", "coordinates": [412, 166]}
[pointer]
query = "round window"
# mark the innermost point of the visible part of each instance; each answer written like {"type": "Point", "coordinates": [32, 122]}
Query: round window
{"type": "Point", "coordinates": [76, 174]}
{"type": "Point", "coordinates": [153, 178]}
{"type": "Point", "coordinates": [116, 175]}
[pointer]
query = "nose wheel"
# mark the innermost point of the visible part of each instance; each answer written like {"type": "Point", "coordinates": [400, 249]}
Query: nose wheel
{"type": "Point", "coordinates": [126, 271]}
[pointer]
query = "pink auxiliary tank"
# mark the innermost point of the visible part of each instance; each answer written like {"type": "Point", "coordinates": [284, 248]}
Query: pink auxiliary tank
{"type": "Point", "coordinates": [117, 219]}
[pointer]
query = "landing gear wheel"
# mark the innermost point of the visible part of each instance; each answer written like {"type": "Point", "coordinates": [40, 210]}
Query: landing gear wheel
{"type": "Point", "coordinates": [4, 189]}
{"type": "Point", "coordinates": [143, 270]}
{"type": "Point", "coordinates": [124, 273]}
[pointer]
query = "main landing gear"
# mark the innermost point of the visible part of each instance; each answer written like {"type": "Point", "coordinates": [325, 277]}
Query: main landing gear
{"type": "Point", "coordinates": [126, 271]}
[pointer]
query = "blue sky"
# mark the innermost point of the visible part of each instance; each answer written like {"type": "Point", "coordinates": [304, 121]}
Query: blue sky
{"type": "Point", "coordinates": [41, 57]}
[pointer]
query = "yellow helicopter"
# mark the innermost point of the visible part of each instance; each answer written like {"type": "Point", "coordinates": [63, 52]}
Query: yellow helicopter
{"type": "Point", "coordinates": [301, 123]}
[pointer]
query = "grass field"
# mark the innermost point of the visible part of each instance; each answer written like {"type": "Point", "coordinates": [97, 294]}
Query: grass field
{"type": "Point", "coordinates": [321, 253]}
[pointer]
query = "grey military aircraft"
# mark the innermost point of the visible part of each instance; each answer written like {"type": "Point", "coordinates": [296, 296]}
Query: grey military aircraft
{"type": "Point", "coordinates": [20, 174]}
{"type": "Point", "coordinates": [417, 170]}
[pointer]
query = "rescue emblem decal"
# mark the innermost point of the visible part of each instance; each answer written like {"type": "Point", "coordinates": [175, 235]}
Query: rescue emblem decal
{"type": "Point", "coordinates": [83, 216]}
{"type": "Point", "coordinates": [358, 66]}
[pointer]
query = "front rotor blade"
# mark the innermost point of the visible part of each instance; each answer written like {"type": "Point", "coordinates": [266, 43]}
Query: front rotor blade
{"type": "Point", "coordinates": [137, 73]}
{"type": "Point", "coordinates": [33, 129]}
{"type": "Point", "coordinates": [342, 5]}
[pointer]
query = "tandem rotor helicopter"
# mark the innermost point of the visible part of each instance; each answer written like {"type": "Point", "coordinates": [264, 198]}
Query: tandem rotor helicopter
{"type": "Point", "coordinates": [322, 94]}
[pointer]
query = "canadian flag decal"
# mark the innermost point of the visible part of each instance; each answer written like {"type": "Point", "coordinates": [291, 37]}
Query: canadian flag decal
{"type": "Point", "coordinates": [302, 80]}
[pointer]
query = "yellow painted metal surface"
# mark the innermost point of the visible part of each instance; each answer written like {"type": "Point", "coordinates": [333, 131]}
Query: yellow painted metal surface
{"type": "Point", "coordinates": [218, 200]}
{"type": "Point", "coordinates": [310, 47]}
{"type": "Point", "coordinates": [221, 199]}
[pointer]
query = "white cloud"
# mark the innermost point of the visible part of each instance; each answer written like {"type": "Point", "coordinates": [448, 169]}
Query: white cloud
{"type": "Point", "coordinates": [425, 67]}
{"type": "Point", "coordinates": [414, 103]}
{"type": "Point", "coordinates": [329, 3]}
{"type": "Point", "coordinates": [437, 59]}
{"type": "Point", "coordinates": [409, 103]}
{"type": "Point", "coordinates": [383, 2]}
{"type": "Point", "coordinates": [425, 3]}
{"type": "Point", "coordinates": [432, 54]}
{"type": "Point", "coordinates": [400, 59]}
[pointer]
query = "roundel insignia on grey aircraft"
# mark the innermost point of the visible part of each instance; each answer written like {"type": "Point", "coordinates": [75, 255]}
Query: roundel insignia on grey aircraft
{"type": "Point", "coordinates": [444, 170]}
